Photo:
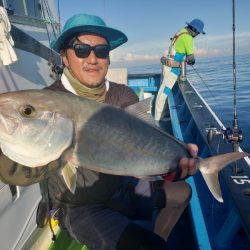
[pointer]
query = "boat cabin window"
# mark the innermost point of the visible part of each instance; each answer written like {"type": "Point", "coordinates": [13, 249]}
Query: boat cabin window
{"type": "Point", "coordinates": [30, 8]}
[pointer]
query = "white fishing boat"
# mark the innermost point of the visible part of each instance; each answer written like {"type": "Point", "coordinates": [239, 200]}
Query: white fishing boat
{"type": "Point", "coordinates": [33, 24]}
{"type": "Point", "coordinates": [28, 63]}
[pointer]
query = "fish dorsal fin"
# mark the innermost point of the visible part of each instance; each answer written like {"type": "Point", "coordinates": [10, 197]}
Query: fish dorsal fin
{"type": "Point", "coordinates": [142, 110]}
{"type": "Point", "coordinates": [69, 174]}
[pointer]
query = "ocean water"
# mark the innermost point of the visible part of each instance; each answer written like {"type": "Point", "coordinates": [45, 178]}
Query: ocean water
{"type": "Point", "coordinates": [213, 78]}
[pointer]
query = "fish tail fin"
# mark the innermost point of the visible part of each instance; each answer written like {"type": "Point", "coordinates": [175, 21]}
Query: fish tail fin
{"type": "Point", "coordinates": [69, 175]}
{"type": "Point", "coordinates": [211, 166]}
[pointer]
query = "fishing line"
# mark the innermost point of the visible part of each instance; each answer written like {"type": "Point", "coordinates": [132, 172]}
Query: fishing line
{"type": "Point", "coordinates": [59, 15]}
{"type": "Point", "coordinates": [210, 91]}
{"type": "Point", "coordinates": [202, 80]}
{"type": "Point", "coordinates": [44, 17]}
{"type": "Point", "coordinates": [51, 20]}
{"type": "Point", "coordinates": [219, 115]}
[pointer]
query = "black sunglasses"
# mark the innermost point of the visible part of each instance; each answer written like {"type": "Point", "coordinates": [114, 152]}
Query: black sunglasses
{"type": "Point", "coordinates": [83, 50]}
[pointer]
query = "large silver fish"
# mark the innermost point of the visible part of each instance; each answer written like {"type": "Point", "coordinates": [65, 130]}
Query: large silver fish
{"type": "Point", "coordinates": [39, 126]}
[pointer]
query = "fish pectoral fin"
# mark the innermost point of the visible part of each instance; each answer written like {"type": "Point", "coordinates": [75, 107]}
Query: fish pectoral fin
{"type": "Point", "coordinates": [211, 166]}
{"type": "Point", "coordinates": [68, 156]}
{"type": "Point", "coordinates": [69, 174]}
{"type": "Point", "coordinates": [213, 184]}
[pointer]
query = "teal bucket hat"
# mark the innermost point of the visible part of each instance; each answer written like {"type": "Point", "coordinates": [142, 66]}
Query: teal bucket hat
{"type": "Point", "coordinates": [92, 24]}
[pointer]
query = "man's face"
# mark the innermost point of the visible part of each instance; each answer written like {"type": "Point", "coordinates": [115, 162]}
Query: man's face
{"type": "Point", "coordinates": [91, 70]}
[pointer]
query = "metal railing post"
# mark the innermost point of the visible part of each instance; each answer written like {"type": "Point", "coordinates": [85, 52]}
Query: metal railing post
{"type": "Point", "coordinates": [183, 75]}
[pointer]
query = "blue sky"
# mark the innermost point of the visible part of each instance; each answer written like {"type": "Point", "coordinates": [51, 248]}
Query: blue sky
{"type": "Point", "coordinates": [149, 24]}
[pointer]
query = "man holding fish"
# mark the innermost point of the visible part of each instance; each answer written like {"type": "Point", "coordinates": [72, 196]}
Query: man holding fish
{"type": "Point", "coordinates": [97, 145]}
{"type": "Point", "coordinates": [103, 218]}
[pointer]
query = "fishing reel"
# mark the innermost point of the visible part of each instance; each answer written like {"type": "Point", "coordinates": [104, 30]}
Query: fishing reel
{"type": "Point", "coordinates": [230, 135]}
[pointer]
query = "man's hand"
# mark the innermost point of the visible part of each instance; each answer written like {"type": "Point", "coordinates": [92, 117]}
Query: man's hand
{"type": "Point", "coordinates": [190, 59]}
{"type": "Point", "coordinates": [187, 165]}
{"type": "Point", "coordinates": [163, 60]}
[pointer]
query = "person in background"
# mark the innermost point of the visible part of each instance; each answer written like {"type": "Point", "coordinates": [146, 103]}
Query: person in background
{"type": "Point", "coordinates": [181, 48]}
{"type": "Point", "coordinates": [102, 211]}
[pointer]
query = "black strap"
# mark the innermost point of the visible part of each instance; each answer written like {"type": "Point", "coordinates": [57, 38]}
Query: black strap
{"type": "Point", "coordinates": [45, 210]}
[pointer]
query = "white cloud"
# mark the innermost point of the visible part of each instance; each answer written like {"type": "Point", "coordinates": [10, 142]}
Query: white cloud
{"type": "Point", "coordinates": [220, 45]}
{"type": "Point", "coordinates": [205, 46]}
{"type": "Point", "coordinates": [129, 57]}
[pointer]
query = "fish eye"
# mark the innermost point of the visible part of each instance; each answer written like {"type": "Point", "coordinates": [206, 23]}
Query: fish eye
{"type": "Point", "coordinates": [27, 111]}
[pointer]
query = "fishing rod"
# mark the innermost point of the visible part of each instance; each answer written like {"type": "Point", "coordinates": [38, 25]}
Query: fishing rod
{"type": "Point", "coordinates": [236, 132]}
{"type": "Point", "coordinates": [234, 135]}
{"type": "Point", "coordinates": [231, 135]}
